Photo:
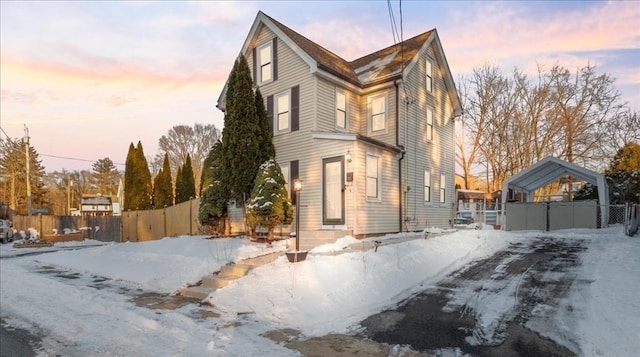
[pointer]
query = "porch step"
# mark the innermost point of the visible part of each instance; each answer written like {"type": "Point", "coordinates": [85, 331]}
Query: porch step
{"type": "Point", "coordinates": [197, 292]}
{"type": "Point", "coordinates": [217, 281]}
{"type": "Point", "coordinates": [236, 271]}
{"type": "Point", "coordinates": [226, 275]}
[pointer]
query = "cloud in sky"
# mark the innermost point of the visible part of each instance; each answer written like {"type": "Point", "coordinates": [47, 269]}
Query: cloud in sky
{"type": "Point", "coordinates": [90, 77]}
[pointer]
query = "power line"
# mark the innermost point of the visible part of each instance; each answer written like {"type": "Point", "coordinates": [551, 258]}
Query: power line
{"type": "Point", "coordinates": [76, 159]}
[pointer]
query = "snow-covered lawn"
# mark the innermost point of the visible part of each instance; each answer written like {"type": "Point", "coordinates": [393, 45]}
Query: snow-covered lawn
{"type": "Point", "coordinates": [330, 292]}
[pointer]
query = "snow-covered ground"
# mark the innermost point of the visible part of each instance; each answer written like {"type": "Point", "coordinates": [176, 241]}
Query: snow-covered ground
{"type": "Point", "coordinates": [331, 292]}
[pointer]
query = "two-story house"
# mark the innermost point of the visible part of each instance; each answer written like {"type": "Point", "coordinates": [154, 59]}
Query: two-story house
{"type": "Point", "coordinates": [371, 140]}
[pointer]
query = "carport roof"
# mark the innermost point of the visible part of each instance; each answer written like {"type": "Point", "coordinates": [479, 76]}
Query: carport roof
{"type": "Point", "coordinates": [548, 170]}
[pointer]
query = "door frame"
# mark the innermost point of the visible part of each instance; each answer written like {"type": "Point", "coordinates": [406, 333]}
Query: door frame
{"type": "Point", "coordinates": [342, 220]}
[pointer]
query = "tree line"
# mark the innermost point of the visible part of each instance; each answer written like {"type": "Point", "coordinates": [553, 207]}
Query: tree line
{"type": "Point", "coordinates": [512, 120]}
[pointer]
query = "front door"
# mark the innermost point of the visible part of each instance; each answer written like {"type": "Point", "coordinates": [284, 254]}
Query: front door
{"type": "Point", "coordinates": [333, 191]}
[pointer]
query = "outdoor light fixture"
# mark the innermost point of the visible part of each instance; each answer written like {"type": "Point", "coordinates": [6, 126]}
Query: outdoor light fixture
{"type": "Point", "coordinates": [297, 186]}
{"type": "Point", "coordinates": [348, 155]}
{"type": "Point", "coordinates": [297, 255]}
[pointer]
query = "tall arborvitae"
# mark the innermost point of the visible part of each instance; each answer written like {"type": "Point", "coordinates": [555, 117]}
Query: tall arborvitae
{"type": "Point", "coordinates": [241, 135]}
{"type": "Point", "coordinates": [267, 150]}
{"type": "Point", "coordinates": [163, 187]}
{"type": "Point", "coordinates": [143, 178]}
{"type": "Point", "coordinates": [188, 182]}
{"type": "Point", "coordinates": [179, 196]}
{"type": "Point", "coordinates": [215, 196]}
{"type": "Point", "coordinates": [129, 179]}
{"type": "Point", "coordinates": [206, 178]}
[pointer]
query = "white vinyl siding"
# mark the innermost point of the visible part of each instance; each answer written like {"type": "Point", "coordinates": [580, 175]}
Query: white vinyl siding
{"type": "Point", "coordinates": [341, 109]}
{"type": "Point", "coordinates": [373, 177]}
{"type": "Point", "coordinates": [443, 188]}
{"type": "Point", "coordinates": [282, 112]}
{"type": "Point", "coordinates": [429, 75]}
{"type": "Point", "coordinates": [265, 63]}
{"type": "Point", "coordinates": [429, 124]}
{"type": "Point", "coordinates": [377, 113]}
{"type": "Point", "coordinates": [427, 186]}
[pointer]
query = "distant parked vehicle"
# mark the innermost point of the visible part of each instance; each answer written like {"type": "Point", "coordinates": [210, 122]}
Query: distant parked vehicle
{"type": "Point", "coordinates": [463, 217]}
{"type": "Point", "coordinates": [6, 231]}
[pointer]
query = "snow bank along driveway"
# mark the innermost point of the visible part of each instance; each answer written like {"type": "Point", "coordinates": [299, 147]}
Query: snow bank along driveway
{"type": "Point", "coordinates": [578, 288]}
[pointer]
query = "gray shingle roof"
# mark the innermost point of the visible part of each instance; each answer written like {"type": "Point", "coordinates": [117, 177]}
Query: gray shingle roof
{"type": "Point", "coordinates": [364, 71]}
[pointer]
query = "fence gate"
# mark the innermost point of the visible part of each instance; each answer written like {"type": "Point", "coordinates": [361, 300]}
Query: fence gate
{"type": "Point", "coordinates": [549, 216]}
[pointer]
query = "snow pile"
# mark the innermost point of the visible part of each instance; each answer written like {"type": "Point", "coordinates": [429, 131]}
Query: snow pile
{"type": "Point", "coordinates": [164, 265]}
{"type": "Point", "coordinates": [326, 294]}
{"type": "Point", "coordinates": [340, 244]}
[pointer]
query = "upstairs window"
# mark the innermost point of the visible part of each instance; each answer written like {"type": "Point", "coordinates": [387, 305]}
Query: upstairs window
{"type": "Point", "coordinates": [429, 75]}
{"type": "Point", "coordinates": [282, 112]}
{"type": "Point", "coordinates": [427, 186]}
{"type": "Point", "coordinates": [341, 109]}
{"type": "Point", "coordinates": [443, 188]}
{"type": "Point", "coordinates": [265, 63]}
{"type": "Point", "coordinates": [429, 124]}
{"type": "Point", "coordinates": [373, 177]}
{"type": "Point", "coordinates": [378, 113]}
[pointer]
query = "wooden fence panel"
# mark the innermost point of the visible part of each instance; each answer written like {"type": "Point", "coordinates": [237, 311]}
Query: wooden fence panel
{"type": "Point", "coordinates": [109, 230]}
{"type": "Point", "coordinates": [131, 226]}
{"type": "Point", "coordinates": [178, 219]}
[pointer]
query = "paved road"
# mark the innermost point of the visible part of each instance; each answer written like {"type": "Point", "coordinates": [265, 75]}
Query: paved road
{"type": "Point", "coordinates": [484, 309]}
{"type": "Point", "coordinates": [17, 342]}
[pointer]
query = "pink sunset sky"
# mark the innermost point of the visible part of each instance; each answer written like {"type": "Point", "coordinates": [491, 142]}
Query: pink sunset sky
{"type": "Point", "coordinates": [88, 78]}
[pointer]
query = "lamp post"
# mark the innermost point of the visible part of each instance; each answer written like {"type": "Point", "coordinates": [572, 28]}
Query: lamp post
{"type": "Point", "coordinates": [297, 187]}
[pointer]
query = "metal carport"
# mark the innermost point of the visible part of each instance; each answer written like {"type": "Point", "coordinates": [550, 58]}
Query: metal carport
{"type": "Point", "coordinates": [548, 170]}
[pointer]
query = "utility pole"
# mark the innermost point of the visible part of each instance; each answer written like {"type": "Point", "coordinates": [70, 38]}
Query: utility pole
{"type": "Point", "coordinates": [68, 195]}
{"type": "Point", "coordinates": [26, 150]}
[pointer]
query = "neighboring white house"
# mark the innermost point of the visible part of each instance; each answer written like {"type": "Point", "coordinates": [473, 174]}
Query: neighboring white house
{"type": "Point", "coordinates": [372, 140]}
{"type": "Point", "coordinates": [96, 206]}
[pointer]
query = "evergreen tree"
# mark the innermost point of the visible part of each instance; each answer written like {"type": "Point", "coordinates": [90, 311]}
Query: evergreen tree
{"type": "Point", "coordinates": [215, 195]}
{"type": "Point", "coordinates": [188, 182]}
{"type": "Point", "coordinates": [13, 165]}
{"type": "Point", "coordinates": [241, 134]}
{"type": "Point", "coordinates": [179, 190]}
{"type": "Point", "coordinates": [144, 178]}
{"type": "Point", "coordinates": [163, 187]}
{"type": "Point", "coordinates": [129, 180]}
{"type": "Point", "coordinates": [105, 177]}
{"type": "Point", "coordinates": [269, 204]}
{"type": "Point", "coordinates": [623, 178]}
{"type": "Point", "coordinates": [267, 150]}
{"type": "Point", "coordinates": [137, 180]}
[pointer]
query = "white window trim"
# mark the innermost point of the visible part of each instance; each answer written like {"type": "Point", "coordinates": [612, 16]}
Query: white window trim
{"type": "Point", "coordinates": [429, 186]}
{"type": "Point", "coordinates": [259, 62]}
{"type": "Point", "coordinates": [428, 69]}
{"type": "Point", "coordinates": [443, 189]}
{"type": "Point", "coordinates": [370, 100]}
{"type": "Point", "coordinates": [430, 127]}
{"type": "Point", "coordinates": [379, 178]}
{"type": "Point", "coordinates": [346, 109]}
{"type": "Point", "coordinates": [276, 113]}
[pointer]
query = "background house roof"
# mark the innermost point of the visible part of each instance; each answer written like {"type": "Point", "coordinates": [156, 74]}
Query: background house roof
{"type": "Point", "coordinates": [98, 200]}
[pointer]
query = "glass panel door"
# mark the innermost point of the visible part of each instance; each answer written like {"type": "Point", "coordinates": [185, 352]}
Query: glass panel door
{"type": "Point", "coordinates": [333, 191]}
